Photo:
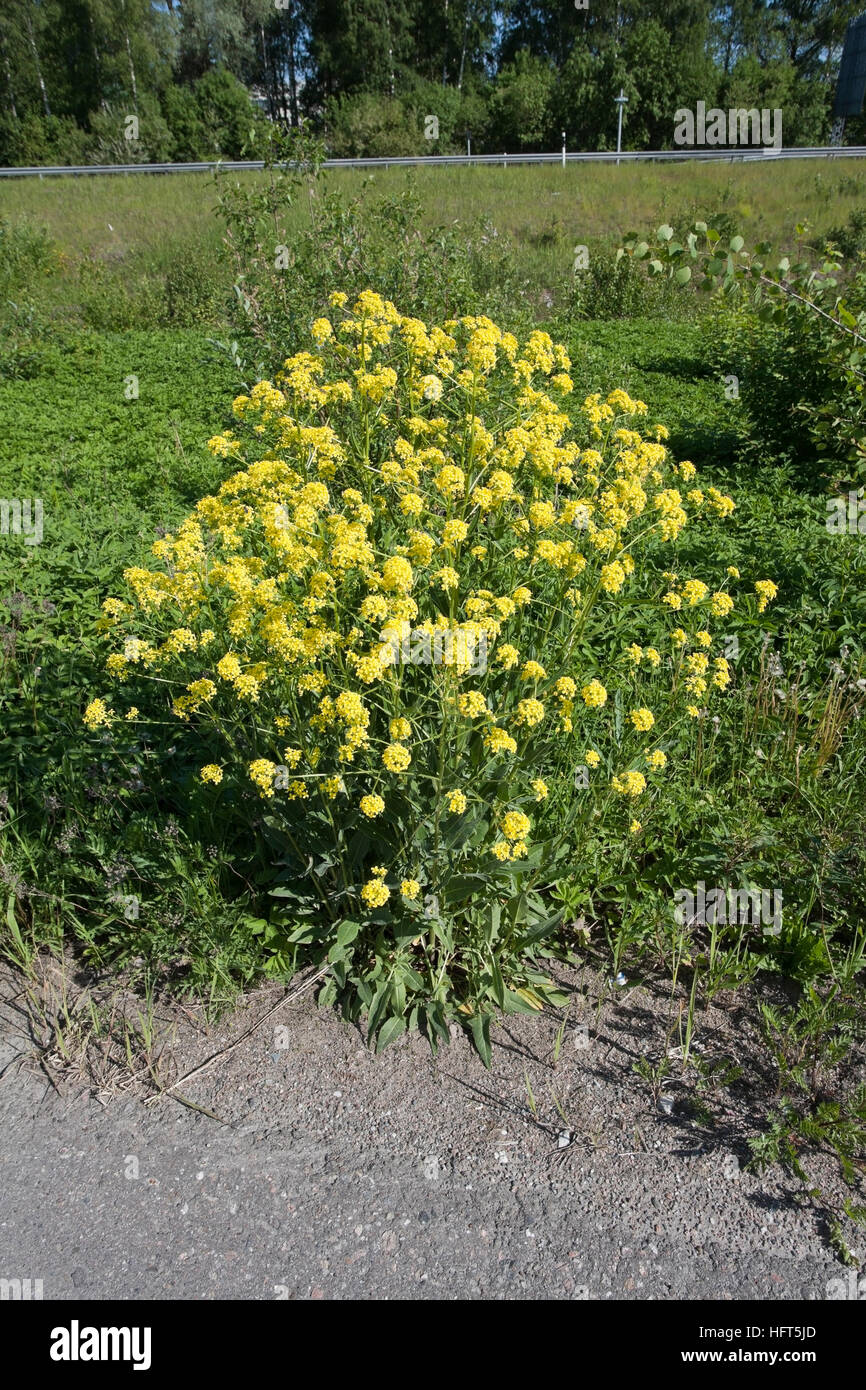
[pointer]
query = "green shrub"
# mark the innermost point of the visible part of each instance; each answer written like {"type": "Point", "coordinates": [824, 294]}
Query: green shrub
{"type": "Point", "coordinates": [793, 332]}
{"type": "Point", "coordinates": [283, 274]}
{"type": "Point", "coordinates": [387, 642]}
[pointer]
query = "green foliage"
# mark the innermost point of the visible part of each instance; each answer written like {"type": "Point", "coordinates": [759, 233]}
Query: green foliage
{"type": "Point", "coordinates": [283, 276]}
{"type": "Point", "coordinates": [792, 331]}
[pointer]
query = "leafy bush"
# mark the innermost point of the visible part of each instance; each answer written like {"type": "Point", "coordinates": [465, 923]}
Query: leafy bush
{"type": "Point", "coordinates": [367, 124]}
{"type": "Point", "coordinates": [33, 139]}
{"type": "Point", "coordinates": [793, 332]}
{"type": "Point", "coordinates": [615, 289]}
{"type": "Point", "coordinates": [391, 637]}
{"type": "Point", "coordinates": [111, 140]}
{"type": "Point", "coordinates": [213, 119]}
{"type": "Point", "coordinates": [850, 237]}
{"type": "Point", "coordinates": [283, 273]}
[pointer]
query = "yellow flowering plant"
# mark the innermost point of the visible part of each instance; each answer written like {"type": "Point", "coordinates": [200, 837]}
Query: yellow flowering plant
{"type": "Point", "coordinates": [419, 638]}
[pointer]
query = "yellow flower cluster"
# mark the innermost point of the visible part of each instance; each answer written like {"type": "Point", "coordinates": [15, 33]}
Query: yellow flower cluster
{"type": "Point", "coordinates": [394, 563]}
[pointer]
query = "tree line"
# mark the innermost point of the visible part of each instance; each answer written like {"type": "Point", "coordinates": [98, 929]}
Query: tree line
{"type": "Point", "coordinates": [136, 80]}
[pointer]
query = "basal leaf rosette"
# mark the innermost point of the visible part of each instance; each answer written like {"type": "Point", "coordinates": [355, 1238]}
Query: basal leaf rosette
{"type": "Point", "coordinates": [423, 634]}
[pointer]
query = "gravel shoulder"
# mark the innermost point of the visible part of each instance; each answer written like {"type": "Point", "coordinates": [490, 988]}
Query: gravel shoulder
{"type": "Point", "coordinates": [314, 1169]}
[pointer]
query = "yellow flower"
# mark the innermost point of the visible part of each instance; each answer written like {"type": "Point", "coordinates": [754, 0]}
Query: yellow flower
{"type": "Point", "coordinates": [722, 675]}
{"type": "Point", "coordinates": [508, 656]}
{"type": "Point", "coordinates": [132, 712]}
{"type": "Point", "coordinates": [629, 783]}
{"type": "Point", "coordinates": [262, 772]}
{"type": "Point", "coordinates": [453, 533]}
{"type": "Point", "coordinates": [372, 805]}
{"type": "Point", "coordinates": [635, 827]}
{"type": "Point", "coordinates": [656, 760]}
{"type": "Point", "coordinates": [594, 694]}
{"type": "Point", "coordinates": [515, 825]}
{"type": "Point", "coordinates": [375, 893]}
{"type": "Point", "coordinates": [410, 888]}
{"type": "Point", "coordinates": [472, 704]}
{"type": "Point", "coordinates": [642, 718]}
{"type": "Point", "coordinates": [211, 773]}
{"type": "Point", "coordinates": [733, 572]}
{"type": "Point", "coordinates": [529, 712]}
{"type": "Point", "coordinates": [652, 656]}
{"type": "Point", "coordinates": [229, 667]}
{"type": "Point", "coordinates": [692, 711]}
{"type": "Point", "coordinates": [496, 740]}
{"type": "Point", "coordinates": [322, 331]}
{"type": "Point", "coordinates": [97, 714]}
{"type": "Point", "coordinates": [397, 575]}
{"type": "Point", "coordinates": [396, 757]}
{"type": "Point", "coordinates": [539, 786]}
{"type": "Point", "coordinates": [612, 577]}
{"type": "Point", "coordinates": [766, 591]}
{"type": "Point", "coordinates": [721, 604]}
{"type": "Point", "coordinates": [431, 387]}
{"type": "Point", "coordinates": [447, 578]}
{"type": "Point", "coordinates": [400, 729]}
{"type": "Point", "coordinates": [533, 671]}
{"type": "Point", "coordinates": [591, 758]}
{"type": "Point", "coordinates": [694, 590]}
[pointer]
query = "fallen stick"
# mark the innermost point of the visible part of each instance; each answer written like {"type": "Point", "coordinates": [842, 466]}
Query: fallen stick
{"type": "Point", "coordinates": [196, 1071]}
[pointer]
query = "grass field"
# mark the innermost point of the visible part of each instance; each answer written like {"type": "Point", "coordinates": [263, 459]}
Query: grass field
{"type": "Point", "coordinates": [119, 238]}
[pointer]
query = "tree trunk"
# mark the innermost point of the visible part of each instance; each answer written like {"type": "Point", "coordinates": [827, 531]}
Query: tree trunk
{"type": "Point", "coordinates": [293, 74]}
{"type": "Point", "coordinates": [8, 71]}
{"type": "Point", "coordinates": [35, 51]}
{"type": "Point", "coordinates": [463, 49]}
{"type": "Point", "coordinates": [129, 56]}
{"type": "Point", "coordinates": [266, 75]}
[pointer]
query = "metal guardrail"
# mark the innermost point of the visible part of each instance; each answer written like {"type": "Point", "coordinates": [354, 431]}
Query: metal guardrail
{"type": "Point", "coordinates": [742, 155]}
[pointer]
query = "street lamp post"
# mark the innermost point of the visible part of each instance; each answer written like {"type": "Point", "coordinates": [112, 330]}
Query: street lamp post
{"type": "Point", "coordinates": [563, 149]}
{"type": "Point", "coordinates": [621, 101]}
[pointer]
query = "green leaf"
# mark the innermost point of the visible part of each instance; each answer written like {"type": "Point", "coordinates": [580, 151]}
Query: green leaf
{"type": "Point", "coordinates": [498, 984]}
{"type": "Point", "coordinates": [683, 275]}
{"type": "Point", "coordinates": [480, 1027]}
{"type": "Point", "coordinates": [515, 1004]}
{"type": "Point", "coordinates": [737, 243]}
{"type": "Point", "coordinates": [665, 232]}
{"type": "Point", "coordinates": [377, 1008]}
{"type": "Point", "coordinates": [346, 932]}
{"type": "Point", "coordinates": [391, 1029]}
